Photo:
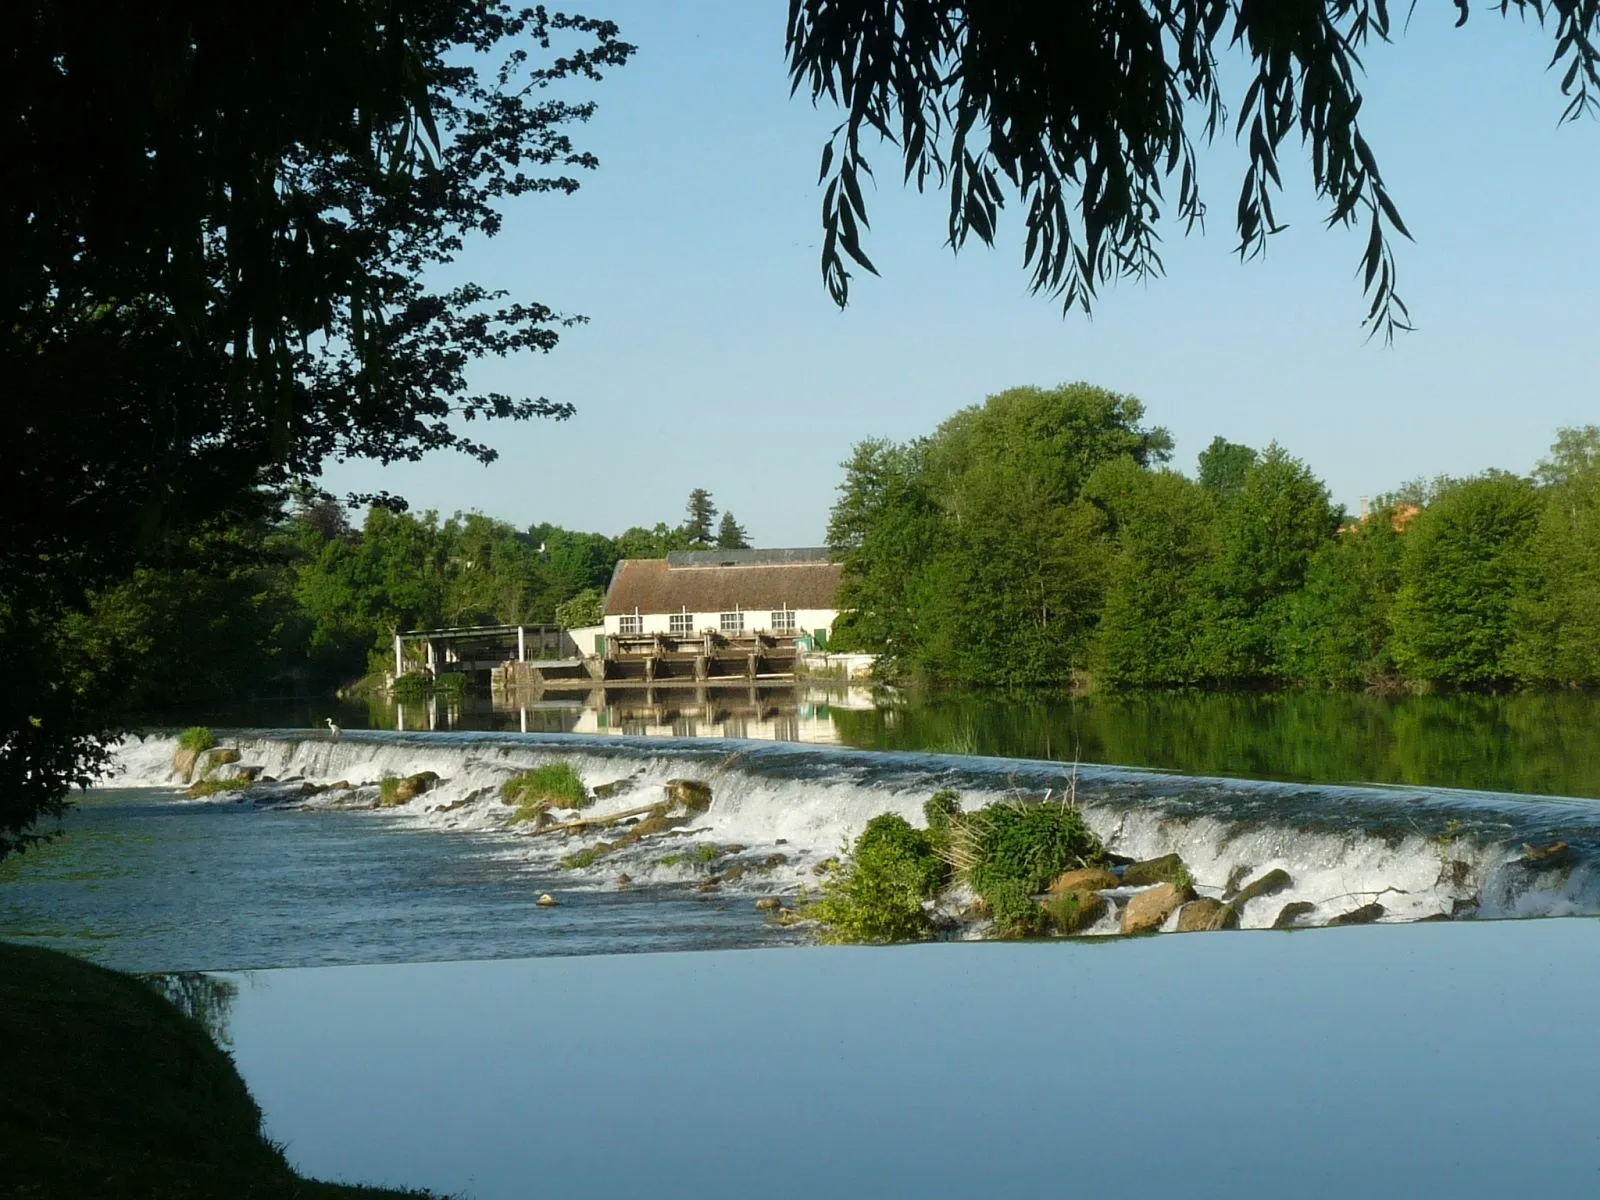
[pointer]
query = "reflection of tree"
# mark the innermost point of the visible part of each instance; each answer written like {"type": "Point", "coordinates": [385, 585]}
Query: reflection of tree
{"type": "Point", "coordinates": [204, 998]}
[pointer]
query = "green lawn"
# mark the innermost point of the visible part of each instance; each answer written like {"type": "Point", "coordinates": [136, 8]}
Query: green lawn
{"type": "Point", "coordinates": [107, 1090]}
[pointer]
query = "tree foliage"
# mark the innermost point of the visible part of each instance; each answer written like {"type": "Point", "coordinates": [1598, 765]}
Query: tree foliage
{"type": "Point", "coordinates": [1039, 539]}
{"type": "Point", "coordinates": [1089, 115]}
{"type": "Point", "coordinates": [222, 231]}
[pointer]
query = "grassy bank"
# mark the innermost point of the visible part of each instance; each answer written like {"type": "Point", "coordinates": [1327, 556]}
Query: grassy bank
{"type": "Point", "coordinates": [107, 1090]}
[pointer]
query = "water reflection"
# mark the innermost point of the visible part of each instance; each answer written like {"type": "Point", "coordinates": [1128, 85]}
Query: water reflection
{"type": "Point", "coordinates": [1544, 743]}
{"type": "Point", "coordinates": [207, 999]}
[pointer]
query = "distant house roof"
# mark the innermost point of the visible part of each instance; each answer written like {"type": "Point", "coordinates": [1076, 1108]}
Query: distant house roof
{"type": "Point", "coordinates": [712, 582]}
{"type": "Point", "coordinates": [748, 558]}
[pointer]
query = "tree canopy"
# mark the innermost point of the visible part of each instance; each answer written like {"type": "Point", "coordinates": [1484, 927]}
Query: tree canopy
{"type": "Point", "coordinates": [1090, 116]}
{"type": "Point", "coordinates": [223, 233]}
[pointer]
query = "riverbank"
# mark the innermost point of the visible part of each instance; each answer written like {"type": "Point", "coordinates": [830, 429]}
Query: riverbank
{"type": "Point", "coordinates": [107, 1090]}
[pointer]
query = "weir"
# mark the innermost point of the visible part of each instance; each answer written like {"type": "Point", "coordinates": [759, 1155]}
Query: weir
{"type": "Point", "coordinates": [1420, 853]}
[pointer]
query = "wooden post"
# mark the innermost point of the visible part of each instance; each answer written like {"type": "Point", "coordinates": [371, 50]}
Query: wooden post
{"type": "Point", "coordinates": [522, 648]}
{"type": "Point", "coordinates": [399, 656]}
{"type": "Point", "coordinates": [432, 658]}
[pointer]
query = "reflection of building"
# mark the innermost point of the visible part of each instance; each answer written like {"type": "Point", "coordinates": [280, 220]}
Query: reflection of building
{"type": "Point", "coordinates": [790, 595]}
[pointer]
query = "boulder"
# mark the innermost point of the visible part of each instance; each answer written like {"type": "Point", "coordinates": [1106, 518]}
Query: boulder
{"type": "Point", "coordinates": [775, 860]}
{"type": "Point", "coordinates": [1290, 913]}
{"type": "Point", "coordinates": [1074, 911]}
{"type": "Point", "coordinates": [689, 793]}
{"type": "Point", "coordinates": [1365, 915]}
{"type": "Point", "coordinates": [217, 756]}
{"type": "Point", "coordinates": [413, 786]}
{"type": "Point", "coordinates": [624, 880]}
{"type": "Point", "coordinates": [1088, 879]}
{"type": "Point", "coordinates": [1235, 877]}
{"type": "Point", "coordinates": [1544, 855]}
{"type": "Point", "coordinates": [1169, 868]}
{"type": "Point", "coordinates": [1206, 914]}
{"type": "Point", "coordinates": [617, 787]}
{"type": "Point", "coordinates": [1273, 882]}
{"type": "Point", "coordinates": [183, 763]}
{"type": "Point", "coordinates": [1149, 910]}
{"type": "Point", "coordinates": [547, 901]}
{"type": "Point", "coordinates": [769, 904]}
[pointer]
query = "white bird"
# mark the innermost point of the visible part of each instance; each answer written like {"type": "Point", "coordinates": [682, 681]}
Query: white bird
{"type": "Point", "coordinates": [333, 730]}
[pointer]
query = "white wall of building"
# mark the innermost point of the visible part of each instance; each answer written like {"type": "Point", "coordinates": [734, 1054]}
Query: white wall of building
{"type": "Point", "coordinates": [806, 620]}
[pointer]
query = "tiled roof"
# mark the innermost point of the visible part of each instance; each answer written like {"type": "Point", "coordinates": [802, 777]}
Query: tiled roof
{"type": "Point", "coordinates": [651, 585]}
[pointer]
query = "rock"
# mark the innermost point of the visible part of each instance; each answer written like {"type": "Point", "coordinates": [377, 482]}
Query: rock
{"type": "Point", "coordinates": [1089, 879]}
{"type": "Point", "coordinates": [1169, 868]}
{"type": "Point", "coordinates": [1235, 877]}
{"type": "Point", "coordinates": [733, 874]}
{"type": "Point", "coordinates": [342, 785]}
{"type": "Point", "coordinates": [1205, 914]}
{"type": "Point", "coordinates": [547, 901]}
{"type": "Point", "coordinates": [1076, 910]}
{"type": "Point", "coordinates": [1365, 915]}
{"type": "Point", "coordinates": [825, 866]}
{"type": "Point", "coordinates": [183, 763]}
{"type": "Point", "coordinates": [412, 786]}
{"type": "Point", "coordinates": [1271, 883]}
{"type": "Point", "coordinates": [1150, 909]}
{"type": "Point", "coordinates": [775, 860]}
{"type": "Point", "coordinates": [1544, 855]}
{"type": "Point", "coordinates": [769, 904]}
{"type": "Point", "coordinates": [710, 885]}
{"type": "Point", "coordinates": [217, 756]}
{"type": "Point", "coordinates": [624, 879]}
{"type": "Point", "coordinates": [736, 848]}
{"type": "Point", "coordinates": [444, 808]}
{"type": "Point", "coordinates": [617, 787]}
{"type": "Point", "coordinates": [1292, 912]}
{"type": "Point", "coordinates": [689, 793]}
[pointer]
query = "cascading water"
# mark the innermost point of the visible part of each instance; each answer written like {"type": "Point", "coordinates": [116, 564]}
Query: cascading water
{"type": "Point", "coordinates": [1420, 853]}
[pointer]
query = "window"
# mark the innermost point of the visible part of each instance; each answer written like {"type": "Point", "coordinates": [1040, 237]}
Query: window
{"type": "Point", "coordinates": [631, 623]}
{"type": "Point", "coordinates": [680, 624]}
{"type": "Point", "coordinates": [783, 622]}
{"type": "Point", "coordinates": [732, 622]}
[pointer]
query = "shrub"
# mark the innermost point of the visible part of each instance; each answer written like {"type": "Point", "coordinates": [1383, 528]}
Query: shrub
{"type": "Point", "coordinates": [942, 809]}
{"type": "Point", "coordinates": [197, 738]}
{"type": "Point", "coordinates": [877, 895]}
{"type": "Point", "coordinates": [585, 858]}
{"type": "Point", "coordinates": [553, 785]}
{"type": "Point", "coordinates": [1010, 851]}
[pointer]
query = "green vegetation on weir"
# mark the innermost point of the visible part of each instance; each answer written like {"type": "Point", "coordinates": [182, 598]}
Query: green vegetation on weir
{"type": "Point", "coordinates": [119, 1094]}
{"type": "Point", "coordinates": [536, 791]}
{"type": "Point", "coordinates": [1040, 538]}
{"type": "Point", "coordinates": [1006, 853]}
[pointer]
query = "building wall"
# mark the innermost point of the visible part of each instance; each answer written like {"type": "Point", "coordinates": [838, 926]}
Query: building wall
{"type": "Point", "coordinates": [806, 620]}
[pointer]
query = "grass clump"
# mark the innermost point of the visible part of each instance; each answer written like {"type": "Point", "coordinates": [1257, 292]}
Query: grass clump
{"type": "Point", "coordinates": [1010, 851]}
{"type": "Point", "coordinates": [586, 857]}
{"type": "Point", "coordinates": [706, 853]}
{"type": "Point", "coordinates": [553, 785]}
{"type": "Point", "coordinates": [389, 790]}
{"type": "Point", "coordinates": [210, 787]}
{"type": "Point", "coordinates": [197, 739]}
{"type": "Point", "coordinates": [876, 895]}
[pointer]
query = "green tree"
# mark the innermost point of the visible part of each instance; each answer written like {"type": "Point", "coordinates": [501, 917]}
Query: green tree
{"type": "Point", "coordinates": [697, 528]}
{"type": "Point", "coordinates": [1088, 115]}
{"type": "Point", "coordinates": [1160, 600]}
{"type": "Point", "coordinates": [731, 535]}
{"type": "Point", "coordinates": [585, 609]}
{"type": "Point", "coordinates": [1268, 533]}
{"type": "Point", "coordinates": [1558, 621]}
{"type": "Point", "coordinates": [1224, 467]}
{"type": "Point", "coordinates": [1337, 629]}
{"type": "Point", "coordinates": [1467, 566]}
{"type": "Point", "coordinates": [218, 234]}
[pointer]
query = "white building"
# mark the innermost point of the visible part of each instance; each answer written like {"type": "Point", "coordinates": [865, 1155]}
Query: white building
{"type": "Point", "coordinates": [784, 593]}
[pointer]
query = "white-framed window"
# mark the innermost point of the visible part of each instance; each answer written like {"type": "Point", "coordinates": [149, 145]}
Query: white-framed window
{"type": "Point", "coordinates": [732, 622]}
{"type": "Point", "coordinates": [783, 621]}
{"type": "Point", "coordinates": [630, 623]}
{"type": "Point", "coordinates": [680, 624]}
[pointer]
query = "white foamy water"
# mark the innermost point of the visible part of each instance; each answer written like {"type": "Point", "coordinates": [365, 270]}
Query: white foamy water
{"type": "Point", "coordinates": [779, 810]}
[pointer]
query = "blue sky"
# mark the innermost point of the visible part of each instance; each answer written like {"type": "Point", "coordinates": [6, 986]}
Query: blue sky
{"type": "Point", "coordinates": [714, 358]}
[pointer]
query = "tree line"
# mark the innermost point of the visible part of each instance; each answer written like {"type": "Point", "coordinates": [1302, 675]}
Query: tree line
{"type": "Point", "coordinates": [293, 599]}
{"type": "Point", "coordinates": [1042, 537]}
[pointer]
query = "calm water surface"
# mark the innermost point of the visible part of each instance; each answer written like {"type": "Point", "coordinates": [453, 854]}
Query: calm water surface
{"type": "Point", "coordinates": [1405, 1061]}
